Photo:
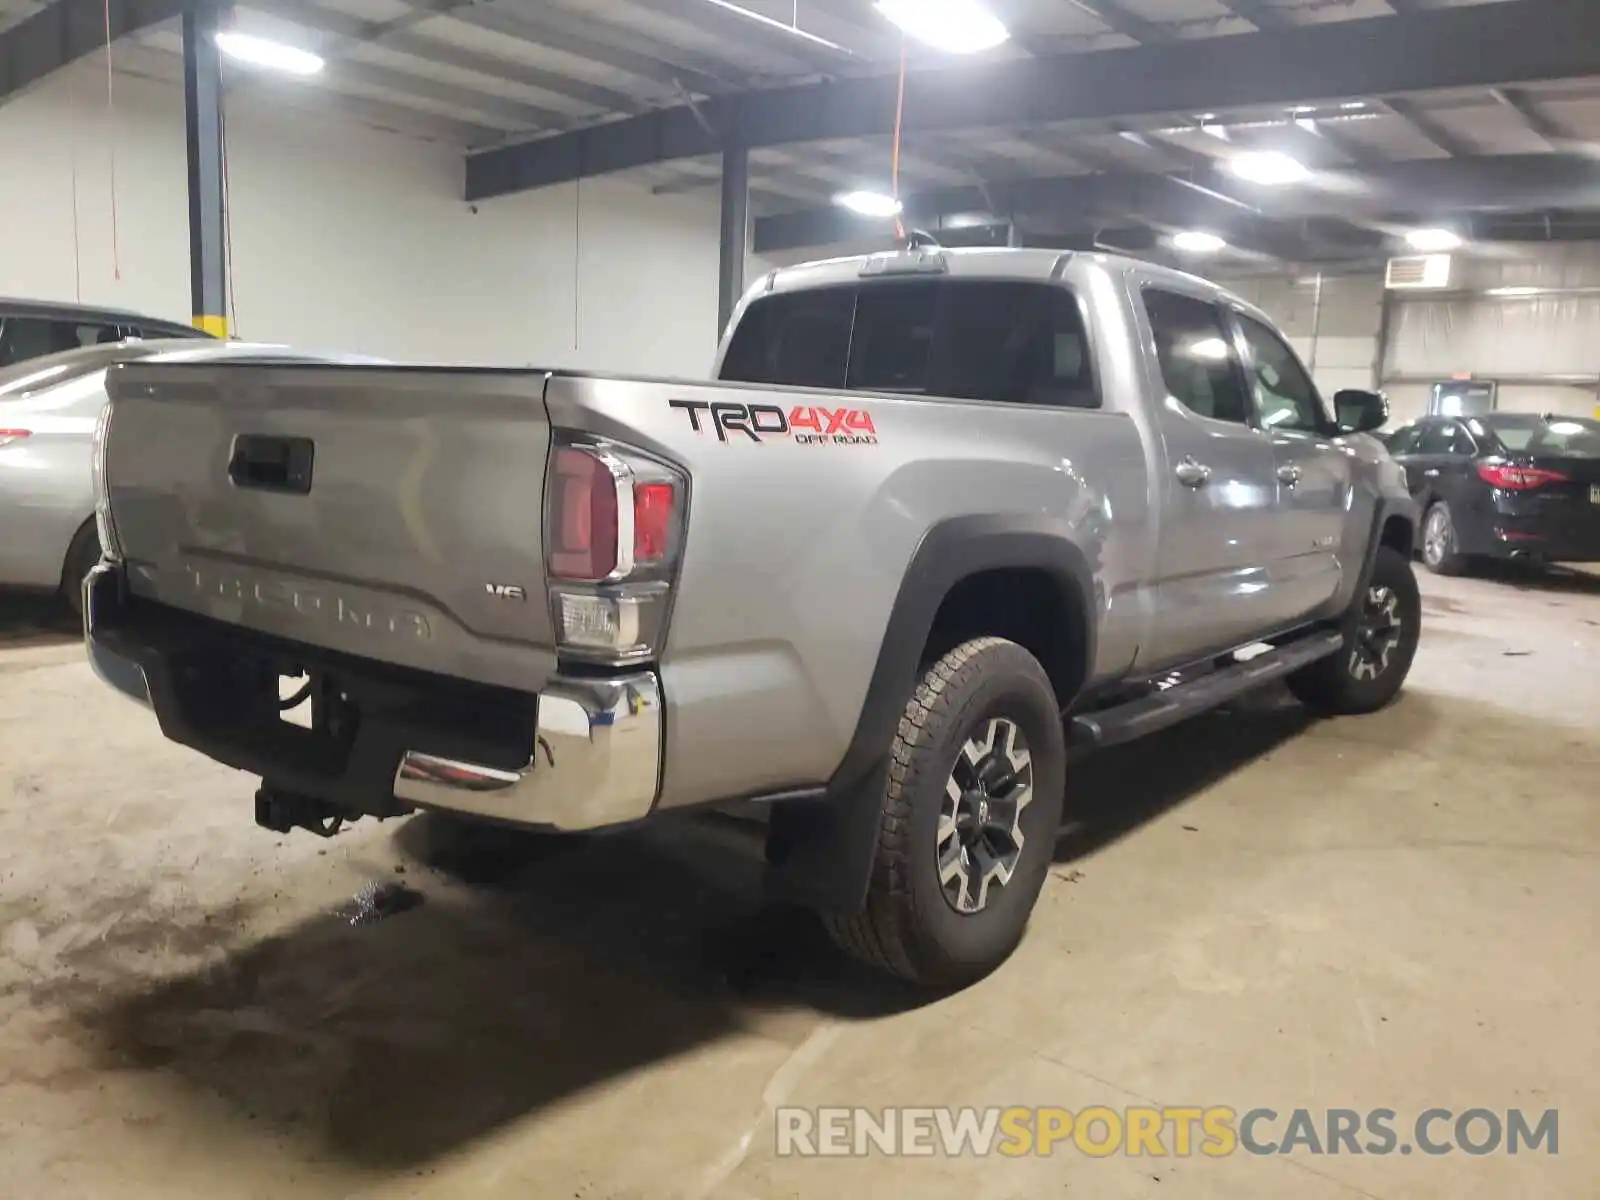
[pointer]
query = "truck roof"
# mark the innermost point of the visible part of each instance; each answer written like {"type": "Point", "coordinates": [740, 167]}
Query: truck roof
{"type": "Point", "coordinates": [990, 263]}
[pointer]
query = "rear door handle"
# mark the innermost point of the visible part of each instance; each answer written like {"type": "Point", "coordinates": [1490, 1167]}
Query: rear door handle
{"type": "Point", "coordinates": [1192, 474]}
{"type": "Point", "coordinates": [1289, 473]}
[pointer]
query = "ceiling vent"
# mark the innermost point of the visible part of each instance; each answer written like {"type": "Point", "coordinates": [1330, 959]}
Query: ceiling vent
{"type": "Point", "coordinates": [1418, 271]}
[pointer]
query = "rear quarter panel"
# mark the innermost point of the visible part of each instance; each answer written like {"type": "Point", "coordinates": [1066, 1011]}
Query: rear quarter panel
{"type": "Point", "coordinates": [796, 552]}
{"type": "Point", "coordinates": [46, 481]}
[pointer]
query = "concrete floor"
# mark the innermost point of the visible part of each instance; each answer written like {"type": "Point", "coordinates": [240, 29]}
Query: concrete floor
{"type": "Point", "coordinates": [1398, 911]}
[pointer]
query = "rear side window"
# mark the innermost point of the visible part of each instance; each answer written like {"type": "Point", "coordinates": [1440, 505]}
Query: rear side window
{"type": "Point", "coordinates": [1198, 361]}
{"type": "Point", "coordinates": [1020, 342]}
{"type": "Point", "coordinates": [1017, 342]}
{"type": "Point", "coordinates": [24, 338]}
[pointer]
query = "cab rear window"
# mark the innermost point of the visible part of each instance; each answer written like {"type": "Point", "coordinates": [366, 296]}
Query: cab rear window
{"type": "Point", "coordinates": [1009, 341]}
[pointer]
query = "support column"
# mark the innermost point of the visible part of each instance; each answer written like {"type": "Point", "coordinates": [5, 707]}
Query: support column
{"type": "Point", "coordinates": [735, 230]}
{"type": "Point", "coordinates": [202, 119]}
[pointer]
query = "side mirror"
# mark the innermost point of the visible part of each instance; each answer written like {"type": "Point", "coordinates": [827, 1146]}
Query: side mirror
{"type": "Point", "coordinates": [1358, 411]}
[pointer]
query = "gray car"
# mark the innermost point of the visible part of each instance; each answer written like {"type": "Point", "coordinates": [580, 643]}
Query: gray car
{"type": "Point", "coordinates": [941, 516]}
{"type": "Point", "coordinates": [48, 409]}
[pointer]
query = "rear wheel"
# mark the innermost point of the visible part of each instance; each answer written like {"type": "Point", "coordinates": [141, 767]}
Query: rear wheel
{"type": "Point", "coordinates": [1440, 550]}
{"type": "Point", "coordinates": [968, 820]}
{"type": "Point", "coordinates": [1372, 665]}
{"type": "Point", "coordinates": [82, 557]}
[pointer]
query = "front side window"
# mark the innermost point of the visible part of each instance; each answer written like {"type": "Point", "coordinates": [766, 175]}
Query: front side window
{"type": "Point", "coordinates": [1404, 441]}
{"type": "Point", "coordinates": [1198, 362]}
{"type": "Point", "coordinates": [1285, 395]}
{"type": "Point", "coordinates": [1444, 438]}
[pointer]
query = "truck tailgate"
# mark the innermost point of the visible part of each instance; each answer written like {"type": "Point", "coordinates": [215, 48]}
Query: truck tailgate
{"type": "Point", "coordinates": [390, 513]}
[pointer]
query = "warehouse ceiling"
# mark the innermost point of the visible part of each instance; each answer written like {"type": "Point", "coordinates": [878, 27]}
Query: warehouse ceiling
{"type": "Point", "coordinates": [1100, 122]}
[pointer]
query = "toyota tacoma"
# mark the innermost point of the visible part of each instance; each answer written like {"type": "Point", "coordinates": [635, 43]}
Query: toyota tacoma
{"type": "Point", "coordinates": [942, 519]}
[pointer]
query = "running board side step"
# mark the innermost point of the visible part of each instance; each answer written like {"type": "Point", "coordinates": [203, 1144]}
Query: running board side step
{"type": "Point", "coordinates": [1125, 722]}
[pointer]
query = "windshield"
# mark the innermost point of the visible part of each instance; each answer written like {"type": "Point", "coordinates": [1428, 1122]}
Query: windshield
{"type": "Point", "coordinates": [1550, 437]}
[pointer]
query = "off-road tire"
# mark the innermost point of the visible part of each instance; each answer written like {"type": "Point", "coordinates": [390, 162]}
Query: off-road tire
{"type": "Point", "coordinates": [1450, 561]}
{"type": "Point", "coordinates": [82, 555]}
{"type": "Point", "coordinates": [908, 927]}
{"type": "Point", "coordinates": [1330, 686]}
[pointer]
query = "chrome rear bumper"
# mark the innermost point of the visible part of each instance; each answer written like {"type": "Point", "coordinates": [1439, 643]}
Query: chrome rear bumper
{"type": "Point", "coordinates": [598, 742]}
{"type": "Point", "coordinates": [596, 762]}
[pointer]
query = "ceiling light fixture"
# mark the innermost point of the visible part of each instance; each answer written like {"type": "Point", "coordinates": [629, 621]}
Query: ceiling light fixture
{"type": "Point", "coordinates": [1519, 290]}
{"type": "Point", "coordinates": [772, 23]}
{"type": "Point", "coordinates": [954, 26]}
{"type": "Point", "coordinates": [1433, 241]}
{"type": "Point", "coordinates": [1269, 168]}
{"type": "Point", "coordinates": [275, 56]}
{"type": "Point", "coordinates": [1197, 241]}
{"type": "Point", "coordinates": [868, 204]}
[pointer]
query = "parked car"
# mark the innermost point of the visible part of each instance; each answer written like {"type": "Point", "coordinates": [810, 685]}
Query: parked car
{"type": "Point", "coordinates": [944, 514]}
{"type": "Point", "coordinates": [1503, 486]}
{"type": "Point", "coordinates": [48, 409]}
{"type": "Point", "coordinates": [34, 328]}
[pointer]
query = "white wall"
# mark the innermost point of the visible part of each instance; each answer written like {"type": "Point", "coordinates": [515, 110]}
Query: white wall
{"type": "Point", "coordinates": [349, 238]}
{"type": "Point", "coordinates": [1544, 350]}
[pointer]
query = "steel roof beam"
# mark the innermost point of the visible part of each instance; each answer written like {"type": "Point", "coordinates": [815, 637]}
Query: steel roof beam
{"type": "Point", "coordinates": [1535, 119]}
{"type": "Point", "coordinates": [1429, 127]}
{"type": "Point", "coordinates": [63, 32]}
{"type": "Point", "coordinates": [632, 54]}
{"type": "Point", "coordinates": [1345, 59]}
{"type": "Point", "coordinates": [1206, 197]}
{"type": "Point", "coordinates": [398, 36]}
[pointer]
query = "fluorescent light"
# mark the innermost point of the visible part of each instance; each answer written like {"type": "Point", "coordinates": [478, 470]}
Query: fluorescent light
{"type": "Point", "coordinates": [1353, 105]}
{"type": "Point", "coordinates": [1514, 291]}
{"type": "Point", "coordinates": [1268, 167]}
{"type": "Point", "coordinates": [868, 204]}
{"type": "Point", "coordinates": [1211, 349]}
{"type": "Point", "coordinates": [954, 26]}
{"type": "Point", "coordinates": [259, 52]}
{"type": "Point", "coordinates": [1433, 241]}
{"type": "Point", "coordinates": [774, 24]}
{"type": "Point", "coordinates": [1197, 241]}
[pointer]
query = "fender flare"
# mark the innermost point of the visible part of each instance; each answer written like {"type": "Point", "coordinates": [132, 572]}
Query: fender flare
{"type": "Point", "coordinates": [821, 854]}
{"type": "Point", "coordinates": [1387, 509]}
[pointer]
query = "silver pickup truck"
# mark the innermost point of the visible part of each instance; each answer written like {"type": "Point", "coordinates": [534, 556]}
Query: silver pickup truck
{"type": "Point", "coordinates": [944, 518]}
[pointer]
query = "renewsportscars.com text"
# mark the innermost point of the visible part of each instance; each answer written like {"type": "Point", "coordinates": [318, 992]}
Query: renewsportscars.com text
{"type": "Point", "coordinates": [1159, 1132]}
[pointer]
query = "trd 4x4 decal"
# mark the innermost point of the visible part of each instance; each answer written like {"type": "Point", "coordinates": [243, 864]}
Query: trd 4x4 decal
{"type": "Point", "coordinates": [807, 425]}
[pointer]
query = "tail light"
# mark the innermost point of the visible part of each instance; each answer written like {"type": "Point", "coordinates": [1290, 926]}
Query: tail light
{"type": "Point", "coordinates": [110, 544]}
{"type": "Point", "coordinates": [7, 436]}
{"type": "Point", "coordinates": [613, 532]}
{"type": "Point", "coordinates": [1517, 479]}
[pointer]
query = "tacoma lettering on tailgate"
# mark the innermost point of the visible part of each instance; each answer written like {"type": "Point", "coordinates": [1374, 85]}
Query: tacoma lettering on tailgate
{"type": "Point", "coordinates": [316, 603]}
